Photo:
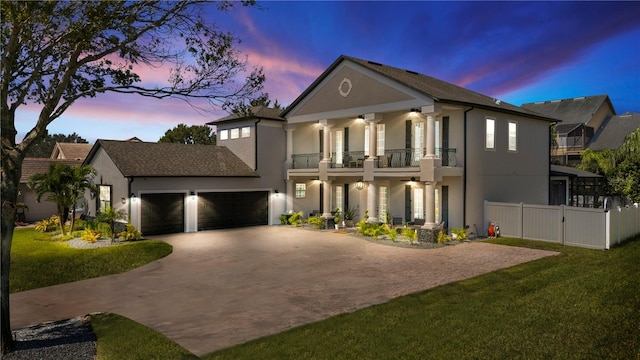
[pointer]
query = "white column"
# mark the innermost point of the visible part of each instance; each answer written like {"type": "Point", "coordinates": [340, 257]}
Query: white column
{"type": "Point", "coordinates": [326, 143]}
{"type": "Point", "coordinates": [431, 135]}
{"type": "Point", "coordinates": [372, 202]}
{"type": "Point", "coordinates": [373, 136]}
{"type": "Point", "coordinates": [326, 198]}
{"type": "Point", "coordinates": [289, 195]}
{"type": "Point", "coordinates": [289, 143]}
{"type": "Point", "coordinates": [429, 205]}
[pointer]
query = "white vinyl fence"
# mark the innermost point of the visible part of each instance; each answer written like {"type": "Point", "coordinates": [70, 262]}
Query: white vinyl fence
{"type": "Point", "coordinates": [575, 226]}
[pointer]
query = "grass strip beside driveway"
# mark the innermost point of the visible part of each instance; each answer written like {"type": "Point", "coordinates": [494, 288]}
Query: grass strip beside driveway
{"type": "Point", "coordinates": [581, 304]}
{"type": "Point", "coordinates": [36, 264]}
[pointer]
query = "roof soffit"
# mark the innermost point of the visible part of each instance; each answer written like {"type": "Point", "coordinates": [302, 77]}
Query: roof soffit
{"type": "Point", "coordinates": [351, 89]}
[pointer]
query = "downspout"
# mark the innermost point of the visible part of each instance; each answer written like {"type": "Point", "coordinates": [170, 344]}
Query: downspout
{"type": "Point", "coordinates": [464, 171]}
{"type": "Point", "coordinates": [131, 179]}
{"type": "Point", "coordinates": [255, 148]}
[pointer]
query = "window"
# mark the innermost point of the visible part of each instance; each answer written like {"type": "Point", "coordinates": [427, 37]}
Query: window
{"type": "Point", "coordinates": [366, 140]}
{"type": "Point", "coordinates": [418, 203]}
{"type": "Point", "coordinates": [340, 197]}
{"type": "Point", "coordinates": [104, 197]}
{"type": "Point", "coordinates": [301, 191]}
{"type": "Point", "coordinates": [513, 136]}
{"type": "Point", "coordinates": [246, 132]}
{"type": "Point", "coordinates": [339, 146]}
{"type": "Point", "coordinates": [380, 140]}
{"type": "Point", "coordinates": [490, 141]}
{"type": "Point", "coordinates": [383, 203]}
{"type": "Point", "coordinates": [418, 141]}
{"type": "Point", "coordinates": [224, 134]}
{"type": "Point", "coordinates": [235, 133]}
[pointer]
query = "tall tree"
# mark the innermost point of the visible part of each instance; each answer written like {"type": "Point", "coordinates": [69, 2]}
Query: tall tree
{"type": "Point", "coordinates": [44, 147]}
{"type": "Point", "coordinates": [194, 134]}
{"type": "Point", "coordinates": [56, 52]}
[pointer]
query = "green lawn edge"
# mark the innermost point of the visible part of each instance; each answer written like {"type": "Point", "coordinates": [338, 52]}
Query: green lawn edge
{"type": "Point", "coordinates": [580, 304]}
{"type": "Point", "coordinates": [36, 264]}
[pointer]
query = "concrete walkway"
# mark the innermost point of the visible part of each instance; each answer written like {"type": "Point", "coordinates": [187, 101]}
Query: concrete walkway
{"type": "Point", "coordinates": [221, 288]}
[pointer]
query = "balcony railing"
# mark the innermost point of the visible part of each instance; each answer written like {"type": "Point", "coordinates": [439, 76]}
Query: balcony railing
{"type": "Point", "coordinates": [395, 158]}
{"type": "Point", "coordinates": [305, 161]}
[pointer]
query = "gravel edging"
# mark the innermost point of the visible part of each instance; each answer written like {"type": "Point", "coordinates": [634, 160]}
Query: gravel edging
{"type": "Point", "coordinates": [57, 340]}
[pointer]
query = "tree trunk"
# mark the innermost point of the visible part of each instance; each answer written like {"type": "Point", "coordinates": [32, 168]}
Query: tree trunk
{"type": "Point", "coordinates": [9, 197]}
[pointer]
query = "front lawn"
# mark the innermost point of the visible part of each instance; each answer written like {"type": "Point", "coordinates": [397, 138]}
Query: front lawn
{"type": "Point", "coordinates": [36, 264]}
{"type": "Point", "coordinates": [581, 304]}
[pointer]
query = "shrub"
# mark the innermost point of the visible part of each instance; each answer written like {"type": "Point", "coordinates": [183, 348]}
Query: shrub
{"type": "Point", "coordinates": [443, 237]}
{"type": "Point", "coordinates": [459, 234]}
{"type": "Point", "coordinates": [47, 225]}
{"type": "Point", "coordinates": [130, 233]}
{"type": "Point", "coordinates": [90, 235]}
{"type": "Point", "coordinates": [284, 219]}
{"type": "Point", "coordinates": [371, 229]}
{"type": "Point", "coordinates": [316, 221]}
{"type": "Point", "coordinates": [390, 231]}
{"type": "Point", "coordinates": [410, 234]}
{"type": "Point", "coordinates": [296, 218]}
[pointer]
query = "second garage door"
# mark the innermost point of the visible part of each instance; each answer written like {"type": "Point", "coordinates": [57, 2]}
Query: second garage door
{"type": "Point", "coordinates": [218, 210]}
{"type": "Point", "coordinates": [162, 214]}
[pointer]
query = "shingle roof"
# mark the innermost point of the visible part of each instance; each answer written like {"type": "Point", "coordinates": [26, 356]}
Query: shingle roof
{"type": "Point", "coordinates": [570, 111]}
{"type": "Point", "coordinates": [74, 151]}
{"type": "Point", "coordinates": [32, 166]}
{"type": "Point", "coordinates": [558, 170]}
{"type": "Point", "coordinates": [439, 90]}
{"type": "Point", "coordinates": [257, 112]}
{"type": "Point", "coordinates": [172, 160]}
{"type": "Point", "coordinates": [614, 129]}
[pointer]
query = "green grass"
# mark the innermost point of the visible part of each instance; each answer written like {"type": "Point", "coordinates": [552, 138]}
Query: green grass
{"type": "Point", "coordinates": [582, 304]}
{"type": "Point", "coordinates": [36, 264]}
{"type": "Point", "coordinates": [578, 305]}
{"type": "Point", "coordinates": [122, 338]}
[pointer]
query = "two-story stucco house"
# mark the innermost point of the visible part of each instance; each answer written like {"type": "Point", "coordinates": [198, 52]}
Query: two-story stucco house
{"type": "Point", "coordinates": [398, 144]}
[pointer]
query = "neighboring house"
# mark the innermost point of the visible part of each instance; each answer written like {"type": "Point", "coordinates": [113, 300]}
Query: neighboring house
{"type": "Point", "coordinates": [44, 208]}
{"type": "Point", "coordinates": [168, 188]}
{"type": "Point", "coordinates": [397, 144]}
{"type": "Point", "coordinates": [580, 117]}
{"type": "Point", "coordinates": [613, 131]}
{"type": "Point", "coordinates": [67, 153]}
{"type": "Point", "coordinates": [70, 151]}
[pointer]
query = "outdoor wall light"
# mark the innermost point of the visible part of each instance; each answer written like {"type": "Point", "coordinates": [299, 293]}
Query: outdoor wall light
{"type": "Point", "coordinates": [192, 193]}
{"type": "Point", "coordinates": [124, 201]}
{"type": "Point", "coordinates": [360, 117]}
{"type": "Point", "coordinates": [359, 185]}
{"type": "Point", "coordinates": [277, 192]}
{"type": "Point", "coordinates": [414, 110]}
{"type": "Point", "coordinates": [133, 197]}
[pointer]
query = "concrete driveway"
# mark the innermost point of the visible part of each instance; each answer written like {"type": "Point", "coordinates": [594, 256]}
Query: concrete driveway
{"type": "Point", "coordinates": [221, 288]}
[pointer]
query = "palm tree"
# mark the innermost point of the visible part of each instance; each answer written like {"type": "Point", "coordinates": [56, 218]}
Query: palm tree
{"type": "Point", "coordinates": [110, 216]}
{"type": "Point", "coordinates": [65, 185]}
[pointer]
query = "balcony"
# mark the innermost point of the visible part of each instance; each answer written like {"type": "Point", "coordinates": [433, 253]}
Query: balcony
{"type": "Point", "coordinates": [395, 158]}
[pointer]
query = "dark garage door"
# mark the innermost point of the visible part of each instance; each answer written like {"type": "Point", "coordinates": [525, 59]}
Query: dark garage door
{"type": "Point", "coordinates": [218, 210]}
{"type": "Point", "coordinates": [162, 214]}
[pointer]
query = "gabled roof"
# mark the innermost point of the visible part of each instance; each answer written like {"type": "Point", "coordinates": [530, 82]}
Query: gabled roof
{"type": "Point", "coordinates": [148, 159]}
{"type": "Point", "coordinates": [75, 151]}
{"type": "Point", "coordinates": [32, 166]}
{"type": "Point", "coordinates": [614, 130]}
{"type": "Point", "coordinates": [439, 90]}
{"type": "Point", "coordinates": [257, 112]}
{"type": "Point", "coordinates": [571, 111]}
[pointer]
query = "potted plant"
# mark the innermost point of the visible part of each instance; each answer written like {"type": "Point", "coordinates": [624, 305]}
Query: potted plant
{"type": "Point", "coordinates": [336, 218]}
{"type": "Point", "coordinates": [349, 214]}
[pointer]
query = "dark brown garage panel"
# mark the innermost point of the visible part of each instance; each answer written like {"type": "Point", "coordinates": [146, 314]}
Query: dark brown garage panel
{"type": "Point", "coordinates": [218, 210]}
{"type": "Point", "coordinates": [162, 214]}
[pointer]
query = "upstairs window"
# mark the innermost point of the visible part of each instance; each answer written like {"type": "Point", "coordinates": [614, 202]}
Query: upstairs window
{"type": "Point", "coordinates": [380, 140]}
{"type": "Point", "coordinates": [366, 140]}
{"type": "Point", "coordinates": [235, 133]}
{"type": "Point", "coordinates": [246, 132]}
{"type": "Point", "coordinates": [490, 140]}
{"type": "Point", "coordinates": [513, 136]}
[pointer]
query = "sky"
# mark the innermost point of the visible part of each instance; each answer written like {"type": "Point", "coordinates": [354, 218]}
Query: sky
{"type": "Point", "coordinates": [518, 52]}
